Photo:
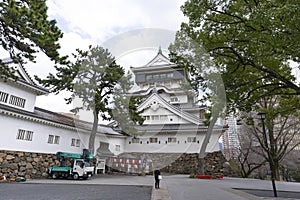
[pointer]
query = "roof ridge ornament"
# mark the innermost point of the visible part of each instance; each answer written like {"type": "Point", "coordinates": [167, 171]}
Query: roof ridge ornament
{"type": "Point", "coordinates": [159, 50]}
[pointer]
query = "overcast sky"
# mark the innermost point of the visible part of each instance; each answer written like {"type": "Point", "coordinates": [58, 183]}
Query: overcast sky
{"type": "Point", "coordinates": [132, 30]}
{"type": "Point", "coordinates": [100, 22]}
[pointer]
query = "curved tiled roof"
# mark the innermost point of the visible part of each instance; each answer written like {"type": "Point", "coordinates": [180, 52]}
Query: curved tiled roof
{"type": "Point", "coordinates": [55, 119]}
{"type": "Point", "coordinates": [187, 116]}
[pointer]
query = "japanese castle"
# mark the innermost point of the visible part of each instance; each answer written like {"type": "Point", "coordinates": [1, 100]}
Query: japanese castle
{"type": "Point", "coordinates": [173, 120]}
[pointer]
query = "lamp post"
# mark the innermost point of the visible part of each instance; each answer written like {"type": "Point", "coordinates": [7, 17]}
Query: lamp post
{"type": "Point", "coordinates": [262, 116]}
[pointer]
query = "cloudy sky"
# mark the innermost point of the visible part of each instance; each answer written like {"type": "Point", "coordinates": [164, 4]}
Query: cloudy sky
{"type": "Point", "coordinates": [141, 26]}
{"type": "Point", "coordinates": [132, 30]}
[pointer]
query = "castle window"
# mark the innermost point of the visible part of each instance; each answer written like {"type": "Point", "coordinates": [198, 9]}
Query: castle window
{"type": "Point", "coordinates": [146, 117]}
{"type": "Point", "coordinates": [163, 76]}
{"type": "Point", "coordinates": [24, 135]}
{"type": "Point", "coordinates": [53, 139]}
{"type": "Point", "coordinates": [75, 142]}
{"type": "Point", "coordinates": [153, 140]}
{"type": "Point", "coordinates": [50, 139]}
{"type": "Point", "coordinates": [29, 135]}
{"type": "Point", "coordinates": [3, 97]}
{"type": "Point", "coordinates": [191, 139]}
{"type": "Point", "coordinates": [135, 140]}
{"type": "Point", "coordinates": [149, 77]}
{"type": "Point", "coordinates": [156, 76]}
{"type": "Point", "coordinates": [17, 101]}
{"type": "Point", "coordinates": [163, 117]}
{"type": "Point", "coordinates": [118, 147]}
{"type": "Point", "coordinates": [155, 117]}
{"type": "Point", "coordinates": [170, 75]}
{"type": "Point", "coordinates": [56, 139]}
{"type": "Point", "coordinates": [172, 140]}
{"type": "Point", "coordinates": [174, 99]}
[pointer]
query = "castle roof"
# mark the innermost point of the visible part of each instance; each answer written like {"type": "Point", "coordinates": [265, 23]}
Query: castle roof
{"type": "Point", "coordinates": [55, 119]}
{"type": "Point", "coordinates": [24, 80]}
{"type": "Point", "coordinates": [159, 62]}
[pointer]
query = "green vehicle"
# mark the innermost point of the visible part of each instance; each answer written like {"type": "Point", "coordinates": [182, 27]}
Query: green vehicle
{"type": "Point", "coordinates": [80, 167]}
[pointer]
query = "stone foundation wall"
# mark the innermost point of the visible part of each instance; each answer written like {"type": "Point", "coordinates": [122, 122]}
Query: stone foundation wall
{"type": "Point", "coordinates": [25, 164]}
{"type": "Point", "coordinates": [188, 163]}
{"type": "Point", "coordinates": [35, 165]}
{"type": "Point", "coordinates": [184, 163]}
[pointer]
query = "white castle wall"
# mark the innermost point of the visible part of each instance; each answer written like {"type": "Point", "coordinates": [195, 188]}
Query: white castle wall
{"type": "Point", "coordinates": [19, 92]}
{"type": "Point", "coordinates": [181, 145]}
{"type": "Point", "coordinates": [9, 127]}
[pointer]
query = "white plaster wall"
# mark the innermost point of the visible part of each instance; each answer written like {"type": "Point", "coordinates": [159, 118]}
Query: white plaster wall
{"type": "Point", "coordinates": [182, 147]}
{"type": "Point", "coordinates": [117, 141]}
{"type": "Point", "coordinates": [171, 117]}
{"type": "Point", "coordinates": [19, 92]}
{"type": "Point", "coordinates": [181, 99]}
{"type": "Point", "coordinates": [9, 128]}
{"type": "Point", "coordinates": [113, 141]}
{"type": "Point", "coordinates": [175, 85]}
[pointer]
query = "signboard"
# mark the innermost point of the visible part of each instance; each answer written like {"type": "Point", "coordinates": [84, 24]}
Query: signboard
{"type": "Point", "coordinates": [100, 166]}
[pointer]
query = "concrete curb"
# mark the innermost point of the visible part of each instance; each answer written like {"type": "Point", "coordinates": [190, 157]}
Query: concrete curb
{"type": "Point", "coordinates": [161, 194]}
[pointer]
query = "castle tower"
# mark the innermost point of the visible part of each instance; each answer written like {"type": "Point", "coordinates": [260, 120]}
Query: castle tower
{"type": "Point", "coordinates": [173, 119]}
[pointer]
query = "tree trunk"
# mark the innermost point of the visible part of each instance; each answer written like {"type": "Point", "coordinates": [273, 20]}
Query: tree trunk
{"type": "Point", "coordinates": [201, 164]}
{"type": "Point", "coordinates": [276, 170]}
{"type": "Point", "coordinates": [93, 133]}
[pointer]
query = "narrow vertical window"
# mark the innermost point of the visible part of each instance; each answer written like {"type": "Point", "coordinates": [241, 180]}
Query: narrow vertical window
{"type": "Point", "coordinates": [3, 97]}
{"type": "Point", "coordinates": [56, 139]}
{"type": "Point", "coordinates": [78, 143]}
{"type": "Point", "coordinates": [73, 142]}
{"type": "Point", "coordinates": [50, 139]}
{"type": "Point", "coordinates": [21, 134]}
{"type": "Point", "coordinates": [24, 135]}
{"type": "Point", "coordinates": [29, 135]}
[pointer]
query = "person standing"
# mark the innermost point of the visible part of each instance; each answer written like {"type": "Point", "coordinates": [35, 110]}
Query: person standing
{"type": "Point", "coordinates": [156, 177]}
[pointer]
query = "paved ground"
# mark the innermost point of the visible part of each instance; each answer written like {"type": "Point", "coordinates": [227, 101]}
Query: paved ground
{"type": "Point", "coordinates": [47, 191]}
{"type": "Point", "coordinates": [178, 187]}
{"type": "Point", "coordinates": [181, 187]}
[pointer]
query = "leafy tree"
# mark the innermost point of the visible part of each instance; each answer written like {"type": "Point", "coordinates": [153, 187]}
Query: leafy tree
{"type": "Point", "coordinates": [94, 84]}
{"type": "Point", "coordinates": [203, 76]}
{"type": "Point", "coordinates": [252, 42]}
{"type": "Point", "coordinates": [125, 111]}
{"type": "Point", "coordinates": [25, 30]}
{"type": "Point", "coordinates": [91, 78]}
{"type": "Point", "coordinates": [102, 86]}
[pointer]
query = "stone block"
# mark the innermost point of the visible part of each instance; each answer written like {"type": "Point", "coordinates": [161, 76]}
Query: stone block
{"type": "Point", "coordinates": [22, 169]}
{"type": "Point", "coordinates": [13, 166]}
{"type": "Point", "coordinates": [20, 154]}
{"type": "Point", "coordinates": [29, 166]}
{"type": "Point", "coordinates": [22, 174]}
{"type": "Point", "coordinates": [4, 164]}
{"type": "Point", "coordinates": [22, 163]}
{"type": "Point", "coordinates": [9, 157]}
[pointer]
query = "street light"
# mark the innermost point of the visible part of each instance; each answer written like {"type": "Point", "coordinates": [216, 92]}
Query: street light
{"type": "Point", "coordinates": [262, 116]}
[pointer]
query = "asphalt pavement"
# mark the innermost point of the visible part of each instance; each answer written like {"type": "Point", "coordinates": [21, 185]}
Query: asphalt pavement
{"type": "Point", "coordinates": [178, 187]}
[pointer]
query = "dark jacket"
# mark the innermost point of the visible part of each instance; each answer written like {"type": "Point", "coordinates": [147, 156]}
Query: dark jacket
{"type": "Point", "coordinates": [156, 173]}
